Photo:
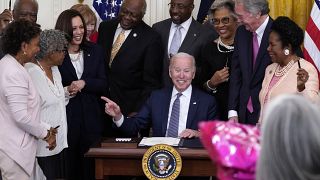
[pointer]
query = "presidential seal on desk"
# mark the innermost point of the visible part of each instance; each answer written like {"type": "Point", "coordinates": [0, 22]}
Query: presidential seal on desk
{"type": "Point", "coordinates": [161, 161]}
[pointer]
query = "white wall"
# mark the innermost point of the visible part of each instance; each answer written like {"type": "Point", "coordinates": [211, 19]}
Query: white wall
{"type": "Point", "coordinates": [49, 10]}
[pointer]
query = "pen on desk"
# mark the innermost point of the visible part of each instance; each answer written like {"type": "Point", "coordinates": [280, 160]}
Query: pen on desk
{"type": "Point", "coordinates": [10, 5]}
{"type": "Point", "coordinates": [57, 127]}
{"type": "Point", "coordinates": [299, 64]}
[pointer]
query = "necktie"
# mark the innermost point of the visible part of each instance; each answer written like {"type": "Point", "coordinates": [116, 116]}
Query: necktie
{"type": "Point", "coordinates": [255, 50]}
{"type": "Point", "coordinates": [174, 118]}
{"type": "Point", "coordinates": [117, 45]}
{"type": "Point", "coordinates": [176, 41]}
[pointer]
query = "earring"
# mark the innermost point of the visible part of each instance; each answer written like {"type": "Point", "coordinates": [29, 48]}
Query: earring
{"type": "Point", "coordinates": [286, 52]}
{"type": "Point", "coordinates": [24, 53]}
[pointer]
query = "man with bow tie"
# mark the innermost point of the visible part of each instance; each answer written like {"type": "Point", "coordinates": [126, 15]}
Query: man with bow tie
{"type": "Point", "coordinates": [133, 54]}
{"type": "Point", "coordinates": [173, 111]}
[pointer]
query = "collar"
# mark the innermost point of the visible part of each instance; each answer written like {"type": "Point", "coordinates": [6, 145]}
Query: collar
{"type": "Point", "coordinates": [262, 27]}
{"type": "Point", "coordinates": [186, 92]}
{"type": "Point", "coordinates": [185, 24]}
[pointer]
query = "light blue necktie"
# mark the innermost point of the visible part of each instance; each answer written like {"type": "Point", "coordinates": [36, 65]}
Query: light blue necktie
{"type": "Point", "coordinates": [176, 41]}
{"type": "Point", "coordinates": [174, 118]}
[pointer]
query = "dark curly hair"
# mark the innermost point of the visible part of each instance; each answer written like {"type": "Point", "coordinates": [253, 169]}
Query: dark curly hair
{"type": "Point", "coordinates": [290, 33]}
{"type": "Point", "coordinates": [18, 32]}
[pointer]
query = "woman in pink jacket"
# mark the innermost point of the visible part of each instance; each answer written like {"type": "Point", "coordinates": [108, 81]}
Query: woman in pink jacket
{"type": "Point", "coordinates": [20, 104]}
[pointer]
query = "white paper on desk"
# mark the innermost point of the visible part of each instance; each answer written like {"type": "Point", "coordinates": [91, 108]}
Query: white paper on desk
{"type": "Point", "coordinates": [151, 141]}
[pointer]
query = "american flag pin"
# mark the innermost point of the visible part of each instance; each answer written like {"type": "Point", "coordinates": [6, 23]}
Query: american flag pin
{"type": "Point", "coordinates": [135, 35]}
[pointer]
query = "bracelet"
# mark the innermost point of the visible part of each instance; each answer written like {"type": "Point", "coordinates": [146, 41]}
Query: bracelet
{"type": "Point", "coordinates": [214, 89]}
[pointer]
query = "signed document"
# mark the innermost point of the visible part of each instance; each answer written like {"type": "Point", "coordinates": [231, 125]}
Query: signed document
{"type": "Point", "coordinates": [151, 141]}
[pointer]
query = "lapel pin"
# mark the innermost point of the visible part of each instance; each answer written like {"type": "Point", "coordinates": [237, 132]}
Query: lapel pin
{"type": "Point", "coordinates": [194, 35]}
{"type": "Point", "coordinates": [135, 35]}
{"type": "Point", "coordinates": [194, 103]}
{"type": "Point", "coordinates": [88, 54]}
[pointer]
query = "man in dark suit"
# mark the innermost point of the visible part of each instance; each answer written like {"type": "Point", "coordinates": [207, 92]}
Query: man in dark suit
{"type": "Point", "coordinates": [160, 110]}
{"type": "Point", "coordinates": [192, 35]}
{"type": "Point", "coordinates": [134, 53]}
{"type": "Point", "coordinates": [250, 59]}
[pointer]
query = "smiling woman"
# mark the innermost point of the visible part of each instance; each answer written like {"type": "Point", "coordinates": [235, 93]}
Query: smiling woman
{"type": "Point", "coordinates": [288, 74]}
{"type": "Point", "coordinates": [83, 71]}
{"type": "Point", "coordinates": [217, 54]}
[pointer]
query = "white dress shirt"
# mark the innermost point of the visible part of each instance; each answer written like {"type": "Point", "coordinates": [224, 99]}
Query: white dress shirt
{"type": "Point", "coordinates": [185, 27]}
{"type": "Point", "coordinates": [184, 107]}
{"type": "Point", "coordinates": [53, 106]}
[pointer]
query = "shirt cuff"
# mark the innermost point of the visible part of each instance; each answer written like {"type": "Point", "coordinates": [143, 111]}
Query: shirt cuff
{"type": "Point", "coordinates": [119, 122]}
{"type": "Point", "coordinates": [232, 113]}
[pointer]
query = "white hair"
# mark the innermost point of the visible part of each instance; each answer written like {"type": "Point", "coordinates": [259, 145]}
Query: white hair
{"type": "Point", "coordinates": [290, 147]}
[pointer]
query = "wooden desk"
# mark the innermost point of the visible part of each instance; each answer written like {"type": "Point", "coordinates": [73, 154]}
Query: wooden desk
{"type": "Point", "coordinates": [128, 161]}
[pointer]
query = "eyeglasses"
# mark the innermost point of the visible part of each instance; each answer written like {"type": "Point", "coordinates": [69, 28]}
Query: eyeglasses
{"type": "Point", "coordinates": [224, 20]}
{"type": "Point", "coordinates": [179, 6]}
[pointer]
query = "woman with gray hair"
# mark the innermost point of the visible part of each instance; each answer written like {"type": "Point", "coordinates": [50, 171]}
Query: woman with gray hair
{"type": "Point", "coordinates": [47, 79]}
{"type": "Point", "coordinates": [290, 140]}
{"type": "Point", "coordinates": [217, 54]}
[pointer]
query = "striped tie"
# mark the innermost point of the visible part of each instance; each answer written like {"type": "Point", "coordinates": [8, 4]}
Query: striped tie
{"type": "Point", "coordinates": [117, 45]}
{"type": "Point", "coordinates": [174, 118]}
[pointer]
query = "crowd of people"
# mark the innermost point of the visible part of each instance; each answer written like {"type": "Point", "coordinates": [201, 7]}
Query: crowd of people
{"type": "Point", "coordinates": [63, 89]}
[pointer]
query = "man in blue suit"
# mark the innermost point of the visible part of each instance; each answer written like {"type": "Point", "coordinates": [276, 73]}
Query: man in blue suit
{"type": "Point", "coordinates": [250, 59]}
{"type": "Point", "coordinates": [160, 111]}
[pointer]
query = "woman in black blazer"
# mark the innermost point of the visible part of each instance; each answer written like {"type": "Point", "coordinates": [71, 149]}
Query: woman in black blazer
{"type": "Point", "coordinates": [84, 71]}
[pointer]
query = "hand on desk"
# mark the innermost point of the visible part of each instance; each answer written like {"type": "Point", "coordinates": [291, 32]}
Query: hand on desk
{"type": "Point", "coordinates": [189, 133]}
{"type": "Point", "coordinates": [112, 109]}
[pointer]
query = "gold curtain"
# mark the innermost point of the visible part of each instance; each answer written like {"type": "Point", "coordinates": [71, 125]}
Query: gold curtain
{"type": "Point", "coordinates": [297, 10]}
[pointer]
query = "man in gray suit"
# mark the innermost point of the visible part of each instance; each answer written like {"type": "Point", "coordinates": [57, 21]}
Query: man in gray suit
{"type": "Point", "coordinates": [181, 33]}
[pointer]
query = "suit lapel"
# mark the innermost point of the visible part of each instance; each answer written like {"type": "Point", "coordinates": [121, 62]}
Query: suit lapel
{"type": "Point", "coordinates": [263, 46]}
{"type": "Point", "coordinates": [191, 36]}
{"type": "Point", "coordinates": [166, 103]}
{"type": "Point", "coordinates": [69, 66]}
{"type": "Point", "coordinates": [193, 106]}
{"type": "Point", "coordinates": [86, 63]}
{"type": "Point", "coordinates": [131, 40]}
{"type": "Point", "coordinates": [109, 40]}
{"type": "Point", "coordinates": [166, 31]}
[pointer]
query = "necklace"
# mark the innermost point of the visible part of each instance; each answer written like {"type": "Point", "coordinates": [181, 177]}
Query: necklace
{"type": "Point", "coordinates": [75, 57]}
{"type": "Point", "coordinates": [52, 85]}
{"type": "Point", "coordinates": [220, 43]}
{"type": "Point", "coordinates": [282, 71]}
